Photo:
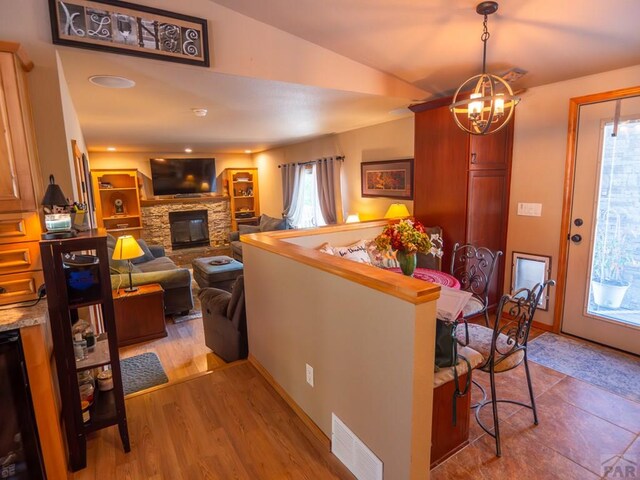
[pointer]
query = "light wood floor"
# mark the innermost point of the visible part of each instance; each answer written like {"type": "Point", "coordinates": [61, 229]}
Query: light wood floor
{"type": "Point", "coordinates": [227, 424]}
{"type": "Point", "coordinates": [182, 352]}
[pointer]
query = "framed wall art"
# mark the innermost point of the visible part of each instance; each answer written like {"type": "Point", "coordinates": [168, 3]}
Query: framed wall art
{"type": "Point", "coordinates": [130, 29]}
{"type": "Point", "coordinates": [390, 178]}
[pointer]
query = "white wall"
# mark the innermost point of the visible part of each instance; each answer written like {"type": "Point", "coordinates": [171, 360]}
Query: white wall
{"type": "Point", "coordinates": [539, 155]}
{"type": "Point", "coordinates": [386, 141]}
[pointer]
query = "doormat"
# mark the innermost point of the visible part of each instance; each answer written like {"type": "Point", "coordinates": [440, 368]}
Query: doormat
{"type": "Point", "coordinates": [141, 372]}
{"type": "Point", "coordinates": [610, 369]}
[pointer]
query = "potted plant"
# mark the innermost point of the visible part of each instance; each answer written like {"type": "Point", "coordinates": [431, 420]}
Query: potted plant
{"type": "Point", "coordinates": [610, 256]}
{"type": "Point", "coordinates": [407, 237]}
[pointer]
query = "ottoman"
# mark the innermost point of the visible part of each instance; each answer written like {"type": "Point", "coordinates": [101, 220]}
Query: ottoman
{"type": "Point", "coordinates": [214, 272]}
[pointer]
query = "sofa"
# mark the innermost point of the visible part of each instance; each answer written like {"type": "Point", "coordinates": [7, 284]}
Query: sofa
{"type": "Point", "coordinates": [154, 267]}
{"type": "Point", "coordinates": [266, 224]}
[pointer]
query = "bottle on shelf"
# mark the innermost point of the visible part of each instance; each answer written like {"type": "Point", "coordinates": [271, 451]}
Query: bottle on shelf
{"type": "Point", "coordinates": [80, 349]}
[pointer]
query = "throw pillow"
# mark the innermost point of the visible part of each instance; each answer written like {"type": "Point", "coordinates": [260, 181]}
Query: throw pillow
{"type": "Point", "coordinates": [356, 252]}
{"type": "Point", "coordinates": [147, 257]}
{"type": "Point", "coordinates": [268, 224]}
{"type": "Point", "coordinates": [326, 248]}
{"type": "Point", "coordinates": [380, 258]}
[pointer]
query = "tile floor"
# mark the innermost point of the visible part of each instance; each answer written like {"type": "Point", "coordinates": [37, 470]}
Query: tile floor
{"type": "Point", "coordinates": [580, 427]}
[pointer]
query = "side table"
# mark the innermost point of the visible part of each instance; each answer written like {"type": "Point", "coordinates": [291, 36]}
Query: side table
{"type": "Point", "coordinates": [139, 314]}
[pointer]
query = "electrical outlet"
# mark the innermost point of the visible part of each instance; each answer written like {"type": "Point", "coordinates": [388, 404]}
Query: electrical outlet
{"type": "Point", "coordinates": [309, 374]}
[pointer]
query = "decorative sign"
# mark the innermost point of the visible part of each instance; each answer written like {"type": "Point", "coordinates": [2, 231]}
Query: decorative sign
{"type": "Point", "coordinates": [392, 178]}
{"type": "Point", "coordinates": [130, 29]}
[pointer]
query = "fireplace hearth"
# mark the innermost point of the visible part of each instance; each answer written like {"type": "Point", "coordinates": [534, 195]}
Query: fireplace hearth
{"type": "Point", "coordinates": [189, 229]}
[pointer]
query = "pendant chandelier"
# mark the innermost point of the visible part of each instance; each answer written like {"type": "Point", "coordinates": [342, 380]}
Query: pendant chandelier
{"type": "Point", "coordinates": [484, 103]}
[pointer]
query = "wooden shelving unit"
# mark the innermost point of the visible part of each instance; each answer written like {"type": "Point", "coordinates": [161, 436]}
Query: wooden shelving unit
{"type": "Point", "coordinates": [125, 186]}
{"type": "Point", "coordinates": [242, 185]}
{"type": "Point", "coordinates": [92, 285]}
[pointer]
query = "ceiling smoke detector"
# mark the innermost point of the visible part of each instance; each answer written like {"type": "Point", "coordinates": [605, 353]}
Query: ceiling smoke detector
{"type": "Point", "coordinates": [200, 112]}
{"type": "Point", "coordinates": [112, 81]}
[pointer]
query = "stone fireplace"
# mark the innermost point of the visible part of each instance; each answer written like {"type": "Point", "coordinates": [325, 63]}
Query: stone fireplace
{"type": "Point", "coordinates": [198, 222]}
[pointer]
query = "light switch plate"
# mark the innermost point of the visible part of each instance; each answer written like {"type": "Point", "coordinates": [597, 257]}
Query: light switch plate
{"type": "Point", "coordinates": [309, 374]}
{"type": "Point", "coordinates": [530, 209]}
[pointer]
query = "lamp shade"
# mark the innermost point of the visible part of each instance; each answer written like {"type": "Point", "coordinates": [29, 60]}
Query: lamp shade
{"type": "Point", "coordinates": [353, 218]}
{"type": "Point", "coordinates": [397, 210]}
{"type": "Point", "coordinates": [53, 195]}
{"type": "Point", "coordinates": [127, 248]}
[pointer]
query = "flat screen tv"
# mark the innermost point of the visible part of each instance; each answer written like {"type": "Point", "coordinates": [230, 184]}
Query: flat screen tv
{"type": "Point", "coordinates": [174, 176]}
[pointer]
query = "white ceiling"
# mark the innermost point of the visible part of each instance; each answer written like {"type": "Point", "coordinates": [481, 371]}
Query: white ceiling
{"type": "Point", "coordinates": [431, 44]}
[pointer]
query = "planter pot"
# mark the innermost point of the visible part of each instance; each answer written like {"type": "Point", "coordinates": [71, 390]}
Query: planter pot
{"type": "Point", "coordinates": [407, 262]}
{"type": "Point", "coordinates": [609, 294]}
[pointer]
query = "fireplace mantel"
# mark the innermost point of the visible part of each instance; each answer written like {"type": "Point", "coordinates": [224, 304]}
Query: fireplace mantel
{"type": "Point", "coordinates": [164, 201]}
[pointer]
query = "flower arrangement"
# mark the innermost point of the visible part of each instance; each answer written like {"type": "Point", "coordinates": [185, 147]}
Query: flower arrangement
{"type": "Point", "coordinates": [409, 236]}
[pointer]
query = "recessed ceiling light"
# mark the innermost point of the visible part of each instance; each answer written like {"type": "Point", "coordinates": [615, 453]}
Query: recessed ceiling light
{"type": "Point", "coordinates": [199, 112]}
{"type": "Point", "coordinates": [111, 81]}
{"type": "Point", "coordinates": [111, 149]}
{"type": "Point", "coordinates": [188, 150]}
{"type": "Point", "coordinates": [247, 151]}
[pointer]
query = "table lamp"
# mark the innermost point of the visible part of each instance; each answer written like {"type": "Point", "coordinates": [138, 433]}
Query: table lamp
{"type": "Point", "coordinates": [127, 248]}
{"type": "Point", "coordinates": [58, 224]}
{"type": "Point", "coordinates": [397, 210]}
{"type": "Point", "coordinates": [353, 218]}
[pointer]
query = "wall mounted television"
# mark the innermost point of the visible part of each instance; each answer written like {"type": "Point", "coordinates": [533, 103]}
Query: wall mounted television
{"type": "Point", "coordinates": [179, 176]}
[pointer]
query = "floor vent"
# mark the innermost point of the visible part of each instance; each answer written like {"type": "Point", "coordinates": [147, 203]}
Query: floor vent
{"type": "Point", "coordinates": [350, 450]}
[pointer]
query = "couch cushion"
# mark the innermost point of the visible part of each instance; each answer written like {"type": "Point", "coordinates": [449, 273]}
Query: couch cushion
{"type": "Point", "coordinates": [480, 341]}
{"type": "Point", "coordinates": [157, 265]}
{"type": "Point", "coordinates": [268, 224]}
{"type": "Point", "coordinates": [244, 229]}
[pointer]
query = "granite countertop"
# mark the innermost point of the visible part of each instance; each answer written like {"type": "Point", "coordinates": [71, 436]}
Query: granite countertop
{"type": "Point", "coordinates": [13, 318]}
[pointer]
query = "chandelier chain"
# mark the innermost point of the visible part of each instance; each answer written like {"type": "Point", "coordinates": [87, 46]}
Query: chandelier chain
{"type": "Point", "coordinates": [484, 37]}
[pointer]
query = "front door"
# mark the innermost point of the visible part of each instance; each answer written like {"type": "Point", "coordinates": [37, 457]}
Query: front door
{"type": "Point", "coordinates": [602, 295]}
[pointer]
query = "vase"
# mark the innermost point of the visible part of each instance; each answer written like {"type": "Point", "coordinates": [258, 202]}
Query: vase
{"type": "Point", "coordinates": [407, 262]}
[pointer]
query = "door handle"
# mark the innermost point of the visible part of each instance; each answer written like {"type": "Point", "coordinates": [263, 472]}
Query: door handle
{"type": "Point", "coordinates": [576, 238]}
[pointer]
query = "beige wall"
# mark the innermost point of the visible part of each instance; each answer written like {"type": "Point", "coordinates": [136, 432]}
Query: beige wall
{"type": "Point", "coordinates": [539, 155]}
{"type": "Point", "coordinates": [386, 141]}
{"type": "Point", "coordinates": [140, 161]}
{"type": "Point", "coordinates": [361, 343]}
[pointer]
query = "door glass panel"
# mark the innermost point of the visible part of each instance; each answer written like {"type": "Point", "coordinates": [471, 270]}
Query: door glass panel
{"type": "Point", "coordinates": [614, 290]}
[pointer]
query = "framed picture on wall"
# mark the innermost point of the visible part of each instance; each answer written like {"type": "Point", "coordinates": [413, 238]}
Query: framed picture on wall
{"type": "Point", "coordinates": [130, 29]}
{"type": "Point", "coordinates": [389, 178]}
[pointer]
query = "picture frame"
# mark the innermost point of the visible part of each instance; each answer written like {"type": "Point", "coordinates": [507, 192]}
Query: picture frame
{"type": "Point", "coordinates": [129, 29]}
{"type": "Point", "coordinates": [388, 178]}
{"type": "Point", "coordinates": [528, 270]}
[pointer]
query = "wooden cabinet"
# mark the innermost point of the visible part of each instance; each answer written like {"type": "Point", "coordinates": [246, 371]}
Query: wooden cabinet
{"type": "Point", "coordinates": [244, 201]}
{"type": "Point", "coordinates": [462, 183]}
{"type": "Point", "coordinates": [77, 275]}
{"type": "Point", "coordinates": [139, 314]}
{"type": "Point", "coordinates": [117, 201]}
{"type": "Point", "coordinates": [20, 189]}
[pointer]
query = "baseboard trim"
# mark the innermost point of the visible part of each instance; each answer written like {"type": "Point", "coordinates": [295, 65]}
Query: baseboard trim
{"type": "Point", "coordinates": [309, 423]}
{"type": "Point", "coordinates": [542, 326]}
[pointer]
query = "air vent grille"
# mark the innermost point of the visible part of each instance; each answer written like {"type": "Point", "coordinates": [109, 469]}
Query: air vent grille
{"type": "Point", "coordinates": [351, 451]}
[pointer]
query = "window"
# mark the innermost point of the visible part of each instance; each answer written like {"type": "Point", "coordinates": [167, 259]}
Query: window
{"type": "Point", "coordinates": [307, 213]}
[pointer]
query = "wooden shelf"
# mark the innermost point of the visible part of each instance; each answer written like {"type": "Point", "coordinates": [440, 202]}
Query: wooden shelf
{"type": "Point", "coordinates": [115, 189]}
{"type": "Point", "coordinates": [242, 180]}
{"type": "Point", "coordinates": [126, 186]}
{"type": "Point", "coordinates": [120, 217]}
{"type": "Point", "coordinates": [97, 358]}
{"type": "Point", "coordinates": [88, 303]}
{"type": "Point", "coordinates": [123, 229]}
{"type": "Point", "coordinates": [103, 411]}
{"type": "Point", "coordinates": [243, 196]}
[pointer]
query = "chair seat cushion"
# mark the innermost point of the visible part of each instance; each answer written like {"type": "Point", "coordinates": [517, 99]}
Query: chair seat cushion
{"type": "Point", "coordinates": [480, 341]}
{"type": "Point", "coordinates": [473, 307]}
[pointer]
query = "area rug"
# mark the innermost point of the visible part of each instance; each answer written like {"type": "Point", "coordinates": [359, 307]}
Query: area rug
{"type": "Point", "coordinates": [610, 369]}
{"type": "Point", "coordinates": [141, 372]}
{"type": "Point", "coordinates": [196, 313]}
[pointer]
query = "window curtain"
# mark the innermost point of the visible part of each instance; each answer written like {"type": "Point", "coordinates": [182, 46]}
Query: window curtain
{"type": "Point", "coordinates": [328, 177]}
{"type": "Point", "coordinates": [305, 211]}
{"type": "Point", "coordinates": [290, 184]}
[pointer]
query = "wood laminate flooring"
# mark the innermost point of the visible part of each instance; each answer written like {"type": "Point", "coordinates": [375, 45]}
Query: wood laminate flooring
{"type": "Point", "coordinates": [226, 424]}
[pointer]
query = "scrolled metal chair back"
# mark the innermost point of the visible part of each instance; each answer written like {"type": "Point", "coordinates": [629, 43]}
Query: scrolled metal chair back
{"type": "Point", "coordinates": [474, 268]}
{"type": "Point", "coordinates": [514, 317]}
